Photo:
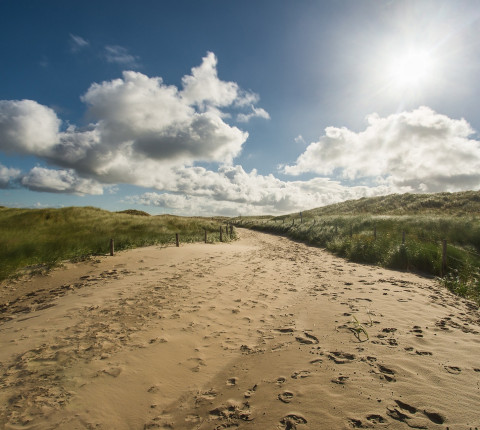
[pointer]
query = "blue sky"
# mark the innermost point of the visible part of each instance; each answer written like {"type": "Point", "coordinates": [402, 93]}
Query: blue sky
{"type": "Point", "coordinates": [236, 107]}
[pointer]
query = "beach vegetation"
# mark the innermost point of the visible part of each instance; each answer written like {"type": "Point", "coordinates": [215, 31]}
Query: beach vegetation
{"type": "Point", "coordinates": [38, 239]}
{"type": "Point", "coordinates": [401, 232]}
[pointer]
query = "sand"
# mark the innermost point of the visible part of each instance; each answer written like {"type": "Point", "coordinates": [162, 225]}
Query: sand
{"type": "Point", "coordinates": [262, 333]}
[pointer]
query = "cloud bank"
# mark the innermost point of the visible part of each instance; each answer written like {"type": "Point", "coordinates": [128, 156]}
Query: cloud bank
{"type": "Point", "coordinates": [141, 127]}
{"type": "Point", "coordinates": [421, 150]}
{"type": "Point", "coordinates": [120, 55]}
{"type": "Point", "coordinates": [150, 134]}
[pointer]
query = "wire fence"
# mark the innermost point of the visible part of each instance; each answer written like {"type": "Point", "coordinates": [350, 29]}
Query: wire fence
{"type": "Point", "coordinates": [447, 251]}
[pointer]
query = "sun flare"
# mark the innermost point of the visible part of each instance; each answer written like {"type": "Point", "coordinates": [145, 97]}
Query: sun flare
{"type": "Point", "coordinates": [411, 70]}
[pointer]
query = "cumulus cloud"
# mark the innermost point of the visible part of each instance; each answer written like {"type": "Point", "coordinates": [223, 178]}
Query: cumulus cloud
{"type": "Point", "coordinates": [203, 87]}
{"type": "Point", "coordinates": [27, 127]}
{"type": "Point", "coordinates": [140, 126]}
{"type": "Point", "coordinates": [151, 120]}
{"type": "Point", "coordinates": [148, 133]}
{"type": "Point", "coordinates": [120, 55]}
{"type": "Point", "coordinates": [205, 90]}
{"type": "Point", "coordinates": [59, 181]}
{"type": "Point", "coordinates": [8, 176]}
{"type": "Point", "coordinates": [421, 151]}
{"type": "Point", "coordinates": [141, 131]}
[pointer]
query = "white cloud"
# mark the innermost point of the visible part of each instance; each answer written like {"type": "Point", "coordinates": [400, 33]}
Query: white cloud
{"type": "Point", "coordinates": [141, 130]}
{"type": "Point", "coordinates": [120, 55]}
{"type": "Point", "coordinates": [78, 42]}
{"type": "Point", "coordinates": [7, 176]}
{"type": "Point", "coordinates": [203, 87]}
{"type": "Point", "coordinates": [299, 139]}
{"type": "Point", "coordinates": [256, 113]}
{"type": "Point", "coordinates": [60, 181]}
{"type": "Point", "coordinates": [150, 134]}
{"type": "Point", "coordinates": [421, 151]}
{"type": "Point", "coordinates": [141, 126]}
{"type": "Point", "coordinates": [27, 127]}
{"type": "Point", "coordinates": [231, 190]}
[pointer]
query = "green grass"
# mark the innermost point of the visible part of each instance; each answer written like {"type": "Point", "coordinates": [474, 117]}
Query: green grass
{"type": "Point", "coordinates": [44, 237]}
{"type": "Point", "coordinates": [425, 219]}
{"type": "Point", "coordinates": [461, 203]}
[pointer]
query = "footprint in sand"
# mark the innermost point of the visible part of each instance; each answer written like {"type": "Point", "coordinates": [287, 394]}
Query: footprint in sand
{"type": "Point", "coordinates": [205, 397]}
{"type": "Point", "coordinates": [375, 419]}
{"type": "Point", "coordinates": [423, 352]}
{"type": "Point", "coordinates": [192, 418]}
{"type": "Point", "coordinates": [232, 410]}
{"type": "Point", "coordinates": [286, 396]}
{"type": "Point", "coordinates": [408, 414]}
{"type": "Point", "coordinates": [292, 420]}
{"type": "Point", "coordinates": [113, 371]}
{"type": "Point", "coordinates": [341, 357]}
{"type": "Point", "coordinates": [340, 380]}
{"type": "Point", "coordinates": [417, 330]}
{"type": "Point", "coordinates": [249, 393]}
{"type": "Point", "coordinates": [285, 329]}
{"type": "Point", "coordinates": [307, 338]}
{"type": "Point", "coordinates": [372, 419]}
{"type": "Point", "coordinates": [454, 370]}
{"type": "Point", "coordinates": [301, 374]}
{"type": "Point", "coordinates": [231, 382]}
{"type": "Point", "coordinates": [386, 373]}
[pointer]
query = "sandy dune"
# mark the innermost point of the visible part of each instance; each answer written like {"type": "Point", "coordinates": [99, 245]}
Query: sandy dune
{"type": "Point", "coordinates": [260, 333]}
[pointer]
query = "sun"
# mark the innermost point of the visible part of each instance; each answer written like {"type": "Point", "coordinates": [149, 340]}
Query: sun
{"type": "Point", "coordinates": [412, 69]}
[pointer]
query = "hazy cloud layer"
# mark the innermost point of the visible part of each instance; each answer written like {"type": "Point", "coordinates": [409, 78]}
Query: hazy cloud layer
{"type": "Point", "coordinates": [120, 55]}
{"type": "Point", "coordinates": [421, 151]}
{"type": "Point", "coordinates": [78, 42]}
{"type": "Point", "coordinates": [231, 190]}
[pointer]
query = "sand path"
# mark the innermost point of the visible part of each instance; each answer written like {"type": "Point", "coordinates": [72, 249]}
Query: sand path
{"type": "Point", "coordinates": [259, 333]}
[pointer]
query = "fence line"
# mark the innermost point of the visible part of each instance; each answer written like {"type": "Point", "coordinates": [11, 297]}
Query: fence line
{"type": "Point", "coordinates": [177, 237]}
{"type": "Point", "coordinates": [442, 245]}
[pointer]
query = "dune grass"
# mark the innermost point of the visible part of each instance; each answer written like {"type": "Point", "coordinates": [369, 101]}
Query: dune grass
{"type": "Point", "coordinates": [378, 239]}
{"type": "Point", "coordinates": [42, 238]}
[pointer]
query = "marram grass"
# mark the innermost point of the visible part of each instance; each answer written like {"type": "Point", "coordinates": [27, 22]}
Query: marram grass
{"type": "Point", "coordinates": [44, 237]}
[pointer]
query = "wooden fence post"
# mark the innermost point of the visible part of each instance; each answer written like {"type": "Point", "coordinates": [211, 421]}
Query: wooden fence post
{"type": "Point", "coordinates": [293, 221]}
{"type": "Point", "coordinates": [176, 240]}
{"type": "Point", "coordinates": [444, 258]}
{"type": "Point", "coordinates": [221, 234]}
{"type": "Point", "coordinates": [231, 230]}
{"type": "Point", "coordinates": [111, 247]}
{"type": "Point", "coordinates": [403, 237]}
